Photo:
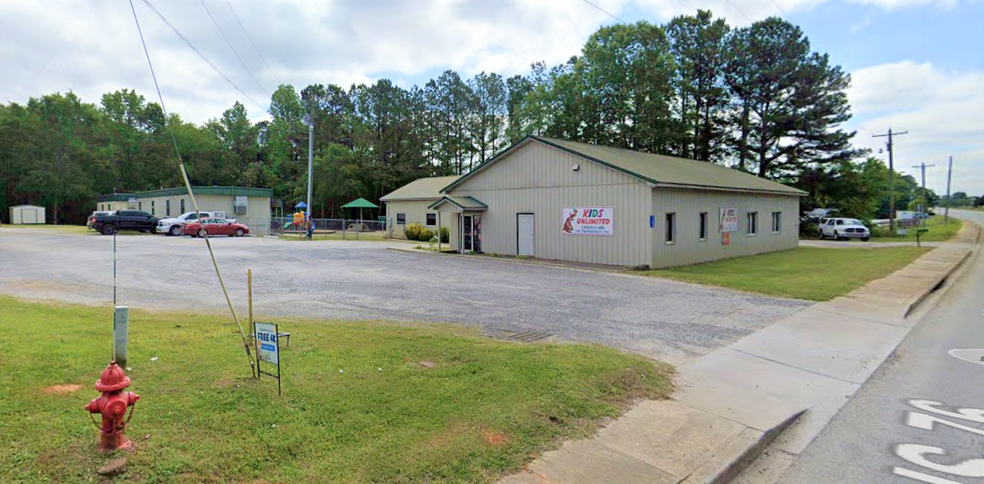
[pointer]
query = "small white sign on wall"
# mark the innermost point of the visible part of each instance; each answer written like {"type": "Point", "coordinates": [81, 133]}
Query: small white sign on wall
{"type": "Point", "coordinates": [729, 220]}
{"type": "Point", "coordinates": [588, 221]}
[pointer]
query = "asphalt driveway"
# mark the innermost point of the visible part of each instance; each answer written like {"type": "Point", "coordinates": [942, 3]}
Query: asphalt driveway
{"type": "Point", "coordinates": [665, 319]}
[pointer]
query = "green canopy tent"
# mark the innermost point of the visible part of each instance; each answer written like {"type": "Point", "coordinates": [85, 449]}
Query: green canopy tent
{"type": "Point", "coordinates": [360, 204]}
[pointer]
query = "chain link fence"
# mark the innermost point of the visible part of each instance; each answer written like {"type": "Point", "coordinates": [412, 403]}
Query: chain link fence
{"type": "Point", "coordinates": [343, 228]}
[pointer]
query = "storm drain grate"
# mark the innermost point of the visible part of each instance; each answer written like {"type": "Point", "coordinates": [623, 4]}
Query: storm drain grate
{"type": "Point", "coordinates": [528, 336]}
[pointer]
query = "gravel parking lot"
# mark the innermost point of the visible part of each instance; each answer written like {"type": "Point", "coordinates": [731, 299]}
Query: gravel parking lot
{"type": "Point", "coordinates": [668, 320]}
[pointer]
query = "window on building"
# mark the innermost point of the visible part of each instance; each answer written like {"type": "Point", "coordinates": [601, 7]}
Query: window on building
{"type": "Point", "coordinates": [703, 226]}
{"type": "Point", "coordinates": [776, 222]}
{"type": "Point", "coordinates": [153, 207]}
{"type": "Point", "coordinates": [182, 205]}
{"type": "Point", "coordinates": [753, 223]}
{"type": "Point", "coordinates": [670, 228]}
{"type": "Point", "coordinates": [167, 208]}
{"type": "Point", "coordinates": [432, 219]}
{"type": "Point", "coordinates": [139, 205]}
{"type": "Point", "coordinates": [401, 218]}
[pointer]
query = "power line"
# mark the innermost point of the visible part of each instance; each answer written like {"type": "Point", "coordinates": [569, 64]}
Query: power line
{"type": "Point", "coordinates": [200, 54]}
{"type": "Point", "coordinates": [209, 12]}
{"type": "Point", "coordinates": [253, 43]}
{"type": "Point", "coordinates": [784, 14]}
{"type": "Point", "coordinates": [184, 175]}
{"type": "Point", "coordinates": [604, 11]}
{"type": "Point", "coordinates": [739, 10]}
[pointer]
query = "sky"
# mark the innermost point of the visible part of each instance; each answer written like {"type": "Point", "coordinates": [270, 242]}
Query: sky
{"type": "Point", "coordinates": [916, 65]}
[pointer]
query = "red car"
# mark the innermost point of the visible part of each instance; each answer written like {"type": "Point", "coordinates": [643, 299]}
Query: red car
{"type": "Point", "coordinates": [215, 226]}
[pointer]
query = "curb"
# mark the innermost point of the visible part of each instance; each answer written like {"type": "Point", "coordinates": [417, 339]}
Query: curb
{"type": "Point", "coordinates": [913, 302]}
{"type": "Point", "coordinates": [722, 468]}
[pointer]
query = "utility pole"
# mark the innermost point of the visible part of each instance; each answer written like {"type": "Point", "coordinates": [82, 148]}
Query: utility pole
{"type": "Point", "coordinates": [309, 121]}
{"type": "Point", "coordinates": [922, 199]}
{"type": "Point", "coordinates": [891, 177]}
{"type": "Point", "coordinates": [949, 175]}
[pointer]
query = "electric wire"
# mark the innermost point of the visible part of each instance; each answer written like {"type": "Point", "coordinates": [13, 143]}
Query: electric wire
{"type": "Point", "coordinates": [603, 11]}
{"type": "Point", "coordinates": [200, 54]}
{"type": "Point", "coordinates": [191, 194]}
{"type": "Point", "coordinates": [739, 10]}
{"type": "Point", "coordinates": [255, 49]}
{"type": "Point", "coordinates": [234, 51]}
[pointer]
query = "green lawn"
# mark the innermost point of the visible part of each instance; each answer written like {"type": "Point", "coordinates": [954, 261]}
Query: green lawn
{"type": "Point", "coordinates": [938, 232]}
{"type": "Point", "coordinates": [487, 408]}
{"type": "Point", "coordinates": [67, 229]}
{"type": "Point", "coordinates": [808, 273]}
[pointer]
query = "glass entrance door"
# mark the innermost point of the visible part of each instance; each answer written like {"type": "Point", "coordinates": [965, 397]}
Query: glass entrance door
{"type": "Point", "coordinates": [466, 233]}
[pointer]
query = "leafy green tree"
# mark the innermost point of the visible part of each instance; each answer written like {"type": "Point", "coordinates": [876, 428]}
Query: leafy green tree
{"type": "Point", "coordinates": [698, 45]}
{"type": "Point", "coordinates": [787, 101]}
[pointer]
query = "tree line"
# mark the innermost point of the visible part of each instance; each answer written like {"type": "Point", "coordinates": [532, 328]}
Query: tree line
{"type": "Point", "coordinates": [755, 98]}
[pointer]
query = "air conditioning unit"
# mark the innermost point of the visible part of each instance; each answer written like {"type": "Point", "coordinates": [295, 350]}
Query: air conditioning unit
{"type": "Point", "coordinates": [240, 203]}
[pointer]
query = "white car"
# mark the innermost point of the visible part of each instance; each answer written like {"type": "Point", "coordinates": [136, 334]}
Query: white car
{"type": "Point", "coordinates": [172, 226]}
{"type": "Point", "coordinates": [844, 228]}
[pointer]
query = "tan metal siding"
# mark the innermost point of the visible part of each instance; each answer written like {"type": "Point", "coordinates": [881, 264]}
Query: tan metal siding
{"type": "Point", "coordinates": [687, 204]}
{"type": "Point", "coordinates": [416, 211]}
{"type": "Point", "coordinates": [539, 179]}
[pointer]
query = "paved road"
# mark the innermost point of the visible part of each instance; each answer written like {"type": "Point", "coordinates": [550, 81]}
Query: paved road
{"type": "Point", "coordinates": [669, 320]}
{"type": "Point", "coordinates": [880, 436]}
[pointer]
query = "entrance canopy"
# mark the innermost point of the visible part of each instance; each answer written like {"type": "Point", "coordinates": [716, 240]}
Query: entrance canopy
{"type": "Point", "coordinates": [360, 203]}
{"type": "Point", "coordinates": [462, 204]}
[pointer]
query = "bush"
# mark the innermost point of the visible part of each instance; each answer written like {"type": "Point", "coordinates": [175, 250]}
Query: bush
{"type": "Point", "coordinates": [445, 235]}
{"type": "Point", "coordinates": [417, 232]}
{"type": "Point", "coordinates": [809, 229]}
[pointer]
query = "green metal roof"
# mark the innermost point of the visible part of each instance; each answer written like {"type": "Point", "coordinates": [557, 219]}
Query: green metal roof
{"type": "Point", "coordinates": [171, 192]}
{"type": "Point", "coordinates": [660, 170]}
{"type": "Point", "coordinates": [464, 203]}
{"type": "Point", "coordinates": [360, 203]}
{"type": "Point", "coordinates": [420, 189]}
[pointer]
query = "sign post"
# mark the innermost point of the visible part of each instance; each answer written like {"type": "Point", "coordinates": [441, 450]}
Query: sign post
{"type": "Point", "coordinates": [268, 348]}
{"type": "Point", "coordinates": [121, 334]}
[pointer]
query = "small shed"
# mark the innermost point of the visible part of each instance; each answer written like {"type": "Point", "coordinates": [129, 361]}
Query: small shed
{"type": "Point", "coordinates": [27, 215]}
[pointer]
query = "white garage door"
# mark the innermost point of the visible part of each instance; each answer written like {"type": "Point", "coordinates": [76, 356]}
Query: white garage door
{"type": "Point", "coordinates": [524, 235]}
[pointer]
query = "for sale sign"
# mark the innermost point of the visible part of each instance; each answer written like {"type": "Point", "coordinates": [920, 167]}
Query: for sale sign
{"type": "Point", "coordinates": [729, 220]}
{"type": "Point", "coordinates": [266, 341]}
{"type": "Point", "coordinates": [588, 221]}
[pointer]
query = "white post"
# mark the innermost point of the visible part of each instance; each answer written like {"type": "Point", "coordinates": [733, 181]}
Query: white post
{"type": "Point", "coordinates": [121, 330]}
{"type": "Point", "coordinates": [439, 232]}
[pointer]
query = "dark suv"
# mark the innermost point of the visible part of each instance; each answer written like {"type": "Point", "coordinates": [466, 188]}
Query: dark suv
{"type": "Point", "coordinates": [125, 220]}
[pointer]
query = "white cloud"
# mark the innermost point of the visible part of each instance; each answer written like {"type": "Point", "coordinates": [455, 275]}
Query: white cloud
{"type": "Point", "coordinates": [942, 111]}
{"type": "Point", "coordinates": [93, 47]}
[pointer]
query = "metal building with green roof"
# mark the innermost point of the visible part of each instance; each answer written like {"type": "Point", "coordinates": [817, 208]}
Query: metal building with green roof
{"type": "Point", "coordinates": [248, 205]}
{"type": "Point", "coordinates": [409, 204]}
{"type": "Point", "coordinates": [563, 200]}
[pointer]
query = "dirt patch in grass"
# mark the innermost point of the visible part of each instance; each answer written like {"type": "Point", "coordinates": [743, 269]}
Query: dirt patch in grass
{"type": "Point", "coordinates": [494, 438]}
{"type": "Point", "coordinates": [62, 389]}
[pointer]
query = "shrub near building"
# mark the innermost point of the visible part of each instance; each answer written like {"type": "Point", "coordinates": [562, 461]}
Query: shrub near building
{"type": "Point", "coordinates": [417, 232]}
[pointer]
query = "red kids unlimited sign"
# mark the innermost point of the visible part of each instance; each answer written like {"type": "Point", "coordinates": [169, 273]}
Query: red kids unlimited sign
{"type": "Point", "coordinates": [589, 221]}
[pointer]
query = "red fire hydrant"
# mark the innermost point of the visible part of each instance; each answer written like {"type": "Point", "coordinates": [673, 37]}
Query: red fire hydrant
{"type": "Point", "coordinates": [112, 405]}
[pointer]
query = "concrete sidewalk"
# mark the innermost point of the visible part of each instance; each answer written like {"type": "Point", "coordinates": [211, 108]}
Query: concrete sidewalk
{"type": "Point", "coordinates": [735, 401]}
